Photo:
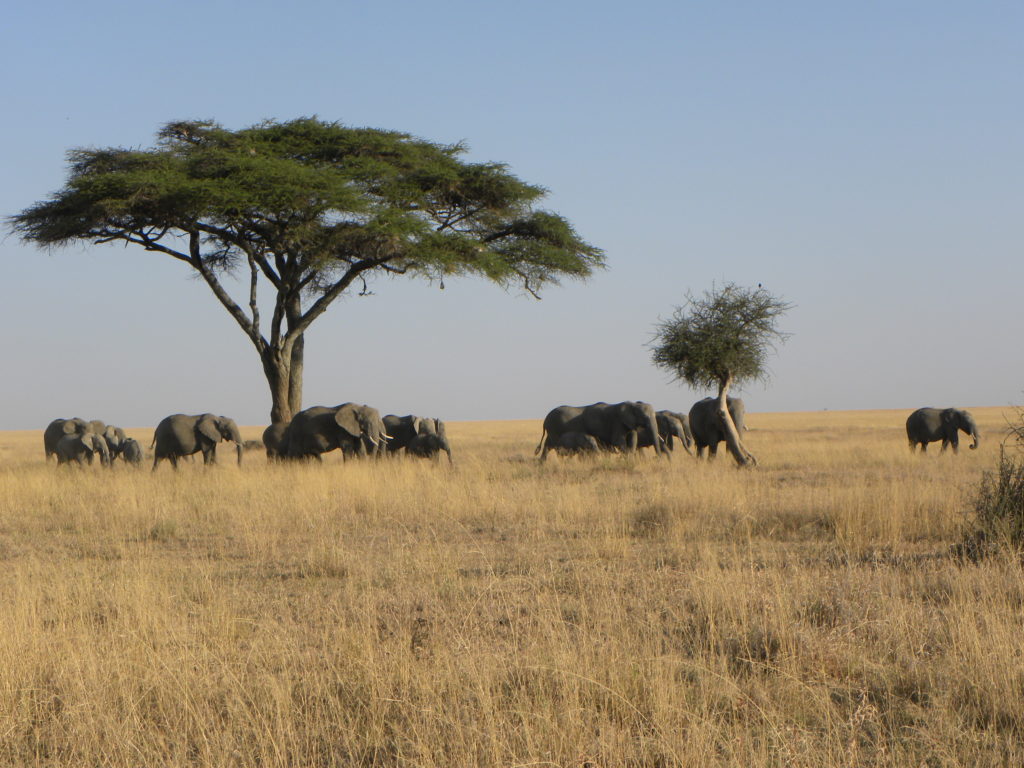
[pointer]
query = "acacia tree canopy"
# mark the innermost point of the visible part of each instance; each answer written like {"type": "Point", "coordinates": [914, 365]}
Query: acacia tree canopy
{"type": "Point", "coordinates": [721, 339]}
{"type": "Point", "coordinates": [309, 208]}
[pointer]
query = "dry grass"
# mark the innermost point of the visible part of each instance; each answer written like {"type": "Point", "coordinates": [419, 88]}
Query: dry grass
{"type": "Point", "coordinates": [607, 612]}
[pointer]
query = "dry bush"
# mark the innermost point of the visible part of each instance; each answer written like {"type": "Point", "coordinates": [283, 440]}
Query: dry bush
{"type": "Point", "coordinates": [600, 611]}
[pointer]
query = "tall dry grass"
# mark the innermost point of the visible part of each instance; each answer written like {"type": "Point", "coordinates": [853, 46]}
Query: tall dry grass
{"type": "Point", "coordinates": [608, 612]}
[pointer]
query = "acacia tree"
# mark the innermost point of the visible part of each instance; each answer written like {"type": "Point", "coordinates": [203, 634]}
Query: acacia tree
{"type": "Point", "coordinates": [309, 210]}
{"type": "Point", "coordinates": [722, 339]}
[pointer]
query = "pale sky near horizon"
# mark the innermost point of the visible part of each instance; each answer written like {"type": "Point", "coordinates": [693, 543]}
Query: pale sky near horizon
{"type": "Point", "coordinates": [865, 161]}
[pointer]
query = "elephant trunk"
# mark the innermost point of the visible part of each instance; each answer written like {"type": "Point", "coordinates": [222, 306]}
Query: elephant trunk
{"type": "Point", "coordinates": [977, 438]}
{"type": "Point", "coordinates": [236, 438]}
{"type": "Point", "coordinates": [659, 443]}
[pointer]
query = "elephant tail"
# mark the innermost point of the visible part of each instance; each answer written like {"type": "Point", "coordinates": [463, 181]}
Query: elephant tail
{"type": "Point", "coordinates": [543, 440]}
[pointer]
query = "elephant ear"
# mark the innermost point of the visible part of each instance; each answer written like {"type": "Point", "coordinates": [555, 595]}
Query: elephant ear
{"type": "Point", "coordinates": [347, 419]}
{"type": "Point", "coordinates": [69, 427]}
{"type": "Point", "coordinates": [948, 416]}
{"type": "Point", "coordinates": [207, 427]}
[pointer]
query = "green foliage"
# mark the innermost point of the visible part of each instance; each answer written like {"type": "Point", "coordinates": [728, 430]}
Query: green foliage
{"type": "Point", "coordinates": [998, 520]}
{"type": "Point", "coordinates": [309, 207]}
{"type": "Point", "coordinates": [724, 336]}
{"type": "Point", "coordinates": [998, 509]}
{"type": "Point", "coordinates": [314, 202]}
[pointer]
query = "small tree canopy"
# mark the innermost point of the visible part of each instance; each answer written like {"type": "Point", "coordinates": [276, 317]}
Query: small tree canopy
{"type": "Point", "coordinates": [306, 209]}
{"type": "Point", "coordinates": [718, 340]}
{"type": "Point", "coordinates": [724, 336]}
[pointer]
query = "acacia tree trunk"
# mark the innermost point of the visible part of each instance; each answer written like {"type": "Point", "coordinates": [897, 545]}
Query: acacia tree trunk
{"type": "Point", "coordinates": [283, 370]}
{"type": "Point", "coordinates": [733, 442]}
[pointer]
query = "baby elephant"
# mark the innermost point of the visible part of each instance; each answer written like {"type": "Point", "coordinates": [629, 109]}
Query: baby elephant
{"type": "Point", "coordinates": [131, 451]}
{"type": "Point", "coordinates": [575, 444]}
{"type": "Point", "coordinates": [82, 448]}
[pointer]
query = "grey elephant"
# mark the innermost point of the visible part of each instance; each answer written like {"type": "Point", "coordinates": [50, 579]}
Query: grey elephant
{"type": "Point", "coordinates": [57, 429]}
{"type": "Point", "coordinates": [706, 427]}
{"type": "Point", "coordinates": [275, 440]}
{"type": "Point", "coordinates": [82, 449]}
{"type": "Point", "coordinates": [181, 435]}
{"type": "Point", "coordinates": [418, 436]}
{"type": "Point", "coordinates": [358, 430]}
{"type": "Point", "coordinates": [115, 438]}
{"type": "Point", "coordinates": [401, 431]}
{"type": "Point", "coordinates": [672, 427]}
{"type": "Point", "coordinates": [613, 426]}
{"type": "Point", "coordinates": [928, 425]}
{"type": "Point", "coordinates": [131, 452]}
{"type": "Point", "coordinates": [574, 444]}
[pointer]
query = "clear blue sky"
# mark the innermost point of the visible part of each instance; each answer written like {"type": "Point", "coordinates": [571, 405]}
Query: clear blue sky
{"type": "Point", "coordinates": [863, 160]}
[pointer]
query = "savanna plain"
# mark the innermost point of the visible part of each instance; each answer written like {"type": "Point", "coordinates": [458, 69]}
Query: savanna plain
{"type": "Point", "coordinates": [596, 612]}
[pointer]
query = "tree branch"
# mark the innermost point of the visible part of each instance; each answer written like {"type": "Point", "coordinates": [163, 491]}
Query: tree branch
{"type": "Point", "coordinates": [196, 260]}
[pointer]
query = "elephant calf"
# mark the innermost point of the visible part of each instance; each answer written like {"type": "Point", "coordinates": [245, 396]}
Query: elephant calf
{"type": "Point", "coordinates": [131, 452]}
{"type": "Point", "coordinates": [574, 444]}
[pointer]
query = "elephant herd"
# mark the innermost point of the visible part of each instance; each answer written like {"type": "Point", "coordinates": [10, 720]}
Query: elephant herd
{"type": "Point", "coordinates": [79, 441]}
{"type": "Point", "coordinates": [628, 426]}
{"type": "Point", "coordinates": [359, 430]}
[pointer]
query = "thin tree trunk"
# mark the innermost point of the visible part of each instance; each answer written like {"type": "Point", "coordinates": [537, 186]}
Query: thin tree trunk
{"type": "Point", "coordinates": [733, 442]}
{"type": "Point", "coordinates": [295, 376]}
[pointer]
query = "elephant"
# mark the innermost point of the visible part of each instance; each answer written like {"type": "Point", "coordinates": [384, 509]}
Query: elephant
{"type": "Point", "coordinates": [115, 438]}
{"type": "Point", "coordinates": [927, 425]}
{"type": "Point", "coordinates": [707, 430]}
{"type": "Point", "coordinates": [82, 448]}
{"type": "Point", "coordinates": [182, 435]}
{"type": "Point", "coordinates": [672, 426]}
{"type": "Point", "coordinates": [574, 444]}
{"type": "Point", "coordinates": [355, 429]}
{"type": "Point", "coordinates": [275, 440]}
{"type": "Point", "coordinates": [614, 427]}
{"type": "Point", "coordinates": [401, 431]}
{"type": "Point", "coordinates": [131, 452]}
{"type": "Point", "coordinates": [58, 428]}
{"type": "Point", "coordinates": [417, 435]}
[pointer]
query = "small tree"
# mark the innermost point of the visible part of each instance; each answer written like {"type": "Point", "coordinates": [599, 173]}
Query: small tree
{"type": "Point", "coordinates": [306, 211]}
{"type": "Point", "coordinates": [721, 340]}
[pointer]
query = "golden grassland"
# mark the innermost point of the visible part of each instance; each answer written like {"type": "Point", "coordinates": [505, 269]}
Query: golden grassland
{"type": "Point", "coordinates": [617, 611]}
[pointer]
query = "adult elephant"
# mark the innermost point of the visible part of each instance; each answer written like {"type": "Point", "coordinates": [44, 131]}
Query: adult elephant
{"type": "Point", "coordinates": [275, 440]}
{"type": "Point", "coordinates": [419, 436]}
{"type": "Point", "coordinates": [672, 427]}
{"type": "Point", "coordinates": [59, 428]}
{"type": "Point", "coordinates": [183, 435]}
{"type": "Point", "coordinates": [355, 429]}
{"type": "Point", "coordinates": [706, 427]}
{"type": "Point", "coordinates": [401, 431]}
{"type": "Point", "coordinates": [928, 425]}
{"type": "Point", "coordinates": [82, 449]}
{"type": "Point", "coordinates": [614, 427]}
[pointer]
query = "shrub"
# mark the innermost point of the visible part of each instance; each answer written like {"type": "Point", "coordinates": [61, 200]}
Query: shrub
{"type": "Point", "coordinates": [998, 509]}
